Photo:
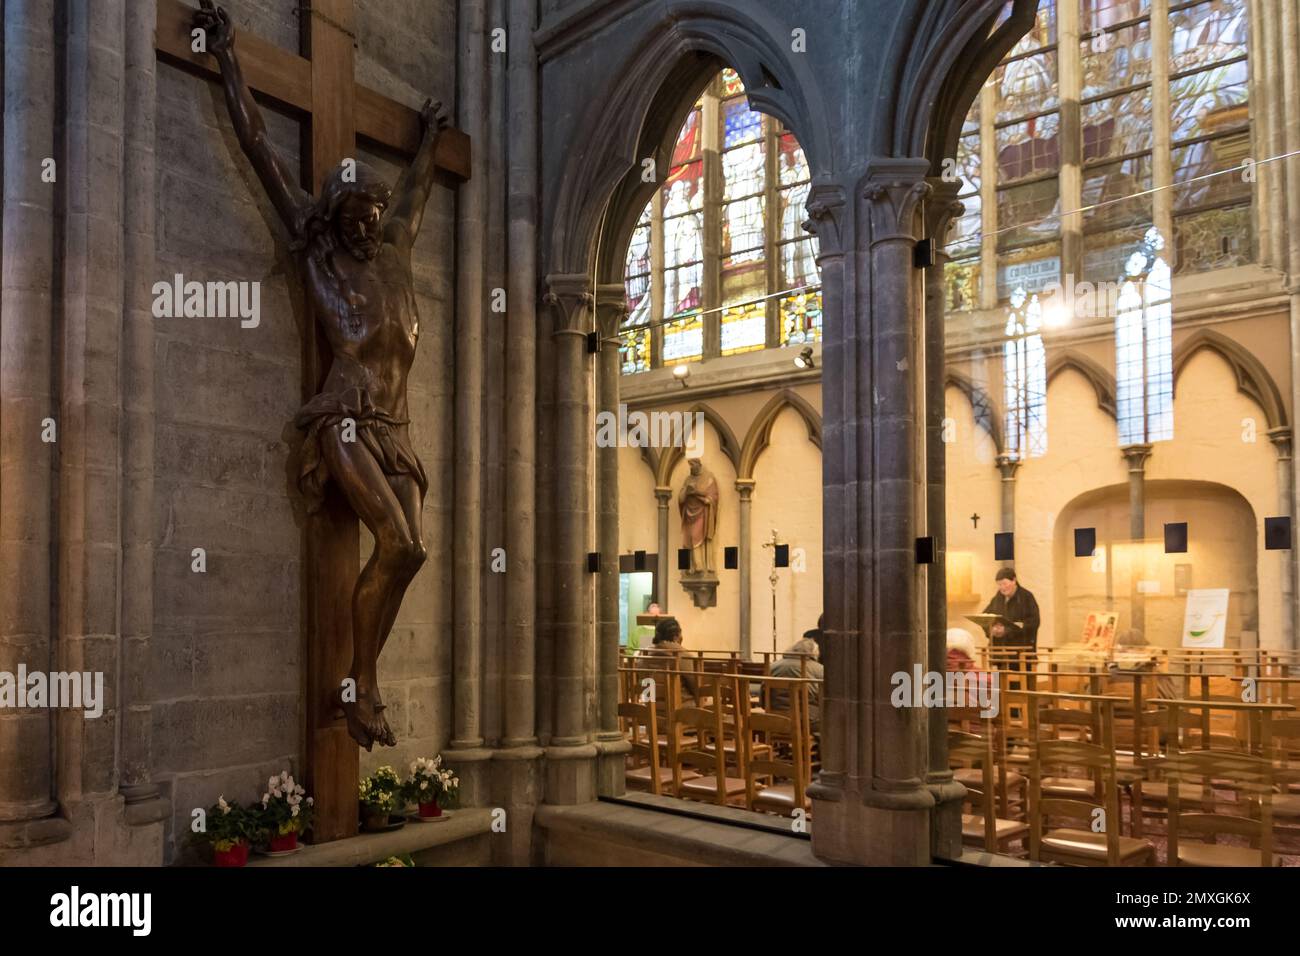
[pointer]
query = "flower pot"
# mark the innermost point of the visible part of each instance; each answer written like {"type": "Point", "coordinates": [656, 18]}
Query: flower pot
{"type": "Point", "coordinates": [286, 841]}
{"type": "Point", "coordinates": [237, 855]}
{"type": "Point", "coordinates": [430, 809]}
{"type": "Point", "coordinates": [375, 820]}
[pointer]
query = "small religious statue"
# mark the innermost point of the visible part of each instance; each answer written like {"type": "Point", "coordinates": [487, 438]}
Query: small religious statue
{"type": "Point", "coordinates": [353, 257]}
{"type": "Point", "coordinates": [698, 506]}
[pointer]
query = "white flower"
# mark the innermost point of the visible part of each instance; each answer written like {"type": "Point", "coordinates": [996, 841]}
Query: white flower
{"type": "Point", "coordinates": [424, 785]}
{"type": "Point", "coordinates": [311, 801]}
{"type": "Point", "coordinates": [294, 812]}
{"type": "Point", "coordinates": [221, 802]}
{"type": "Point", "coordinates": [266, 798]}
{"type": "Point", "coordinates": [270, 782]}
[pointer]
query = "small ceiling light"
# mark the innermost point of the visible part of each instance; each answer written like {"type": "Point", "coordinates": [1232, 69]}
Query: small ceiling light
{"type": "Point", "coordinates": [804, 359]}
{"type": "Point", "coordinates": [682, 373]}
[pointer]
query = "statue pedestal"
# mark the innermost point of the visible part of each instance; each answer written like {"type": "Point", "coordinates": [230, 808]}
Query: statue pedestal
{"type": "Point", "coordinates": [702, 586]}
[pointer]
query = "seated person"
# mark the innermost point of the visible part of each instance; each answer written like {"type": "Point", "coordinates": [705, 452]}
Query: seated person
{"type": "Point", "coordinates": [668, 643]}
{"type": "Point", "coordinates": [801, 660]}
{"type": "Point", "coordinates": [961, 650]}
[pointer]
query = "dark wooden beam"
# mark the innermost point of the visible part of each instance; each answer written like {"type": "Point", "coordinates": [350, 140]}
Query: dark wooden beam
{"type": "Point", "coordinates": [283, 79]}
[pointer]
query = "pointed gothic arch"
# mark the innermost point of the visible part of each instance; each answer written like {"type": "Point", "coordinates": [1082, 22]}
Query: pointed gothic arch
{"type": "Point", "coordinates": [669, 457]}
{"type": "Point", "coordinates": [1253, 379]}
{"type": "Point", "coordinates": [641, 109]}
{"type": "Point", "coordinates": [986, 412]}
{"type": "Point", "coordinates": [1102, 381]}
{"type": "Point", "coordinates": [760, 430]}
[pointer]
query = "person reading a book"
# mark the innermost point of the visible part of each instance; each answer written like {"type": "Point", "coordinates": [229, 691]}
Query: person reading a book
{"type": "Point", "coordinates": [1017, 610]}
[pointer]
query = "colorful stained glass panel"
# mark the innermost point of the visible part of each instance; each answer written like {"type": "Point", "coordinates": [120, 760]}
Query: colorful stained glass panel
{"type": "Point", "coordinates": [740, 124]}
{"type": "Point", "coordinates": [743, 171]}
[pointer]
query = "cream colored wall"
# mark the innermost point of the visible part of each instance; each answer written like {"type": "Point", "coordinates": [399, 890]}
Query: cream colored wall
{"type": "Point", "coordinates": [1208, 446]}
{"type": "Point", "coordinates": [1083, 455]}
{"type": "Point", "coordinates": [638, 528]}
{"type": "Point", "coordinates": [1217, 554]}
{"type": "Point", "coordinates": [787, 497]}
{"type": "Point", "coordinates": [973, 488]}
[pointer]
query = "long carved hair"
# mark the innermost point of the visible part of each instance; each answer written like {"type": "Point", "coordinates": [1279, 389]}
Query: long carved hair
{"type": "Point", "coordinates": [316, 233]}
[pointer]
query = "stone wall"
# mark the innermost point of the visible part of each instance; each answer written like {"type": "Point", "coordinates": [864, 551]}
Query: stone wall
{"type": "Point", "coordinates": [228, 652]}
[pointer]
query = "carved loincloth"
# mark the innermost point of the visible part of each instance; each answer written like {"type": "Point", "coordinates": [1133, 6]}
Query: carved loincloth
{"type": "Point", "coordinates": [376, 429]}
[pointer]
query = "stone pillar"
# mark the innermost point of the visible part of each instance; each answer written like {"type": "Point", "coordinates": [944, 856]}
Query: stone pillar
{"type": "Point", "coordinates": [467, 696]}
{"type": "Point", "coordinates": [28, 464]}
{"type": "Point", "coordinates": [745, 488]}
{"type": "Point", "coordinates": [664, 496]}
{"type": "Point", "coordinates": [874, 805]}
{"type": "Point", "coordinates": [1008, 465]}
{"type": "Point", "coordinates": [570, 764]}
{"type": "Point", "coordinates": [516, 783]}
{"type": "Point", "coordinates": [1281, 439]}
{"type": "Point", "coordinates": [1136, 456]}
{"type": "Point", "coordinates": [1288, 21]}
{"type": "Point", "coordinates": [138, 414]}
{"type": "Point", "coordinates": [521, 387]}
{"type": "Point", "coordinates": [611, 309]}
{"type": "Point", "coordinates": [940, 211]}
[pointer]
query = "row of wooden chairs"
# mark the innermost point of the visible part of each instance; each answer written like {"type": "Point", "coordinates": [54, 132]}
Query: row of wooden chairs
{"type": "Point", "coordinates": [1074, 768]}
{"type": "Point", "coordinates": [706, 735]}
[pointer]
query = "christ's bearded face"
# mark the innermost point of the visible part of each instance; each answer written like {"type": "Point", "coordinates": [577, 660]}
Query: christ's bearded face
{"type": "Point", "coordinates": [358, 227]}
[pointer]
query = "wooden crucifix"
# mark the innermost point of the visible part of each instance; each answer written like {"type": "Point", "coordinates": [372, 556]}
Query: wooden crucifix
{"type": "Point", "coordinates": [357, 346]}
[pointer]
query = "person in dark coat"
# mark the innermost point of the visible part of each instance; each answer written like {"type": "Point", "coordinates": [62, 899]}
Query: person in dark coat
{"type": "Point", "coordinates": [1019, 610]}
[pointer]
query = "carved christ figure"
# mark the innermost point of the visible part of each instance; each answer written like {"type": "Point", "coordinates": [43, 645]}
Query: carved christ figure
{"type": "Point", "coordinates": [698, 505]}
{"type": "Point", "coordinates": [353, 257]}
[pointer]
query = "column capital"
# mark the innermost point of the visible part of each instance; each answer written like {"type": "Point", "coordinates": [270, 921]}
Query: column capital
{"type": "Point", "coordinates": [825, 207]}
{"type": "Point", "coordinates": [1281, 439]}
{"type": "Point", "coordinates": [942, 209]}
{"type": "Point", "coordinates": [1136, 456]}
{"type": "Point", "coordinates": [611, 310]}
{"type": "Point", "coordinates": [1008, 465]}
{"type": "Point", "coordinates": [663, 495]}
{"type": "Point", "coordinates": [745, 488]}
{"type": "Point", "coordinates": [894, 190]}
{"type": "Point", "coordinates": [570, 298]}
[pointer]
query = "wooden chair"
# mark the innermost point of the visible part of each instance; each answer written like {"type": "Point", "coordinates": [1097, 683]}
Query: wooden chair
{"type": "Point", "coordinates": [712, 783]}
{"type": "Point", "coordinates": [648, 767]}
{"type": "Point", "coordinates": [1096, 758]}
{"type": "Point", "coordinates": [985, 828]}
{"type": "Point", "coordinates": [1252, 778]}
{"type": "Point", "coordinates": [782, 755]}
{"type": "Point", "coordinates": [1286, 775]}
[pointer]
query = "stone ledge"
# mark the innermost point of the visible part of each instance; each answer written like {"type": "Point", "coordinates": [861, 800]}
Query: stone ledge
{"type": "Point", "coordinates": [609, 833]}
{"type": "Point", "coordinates": [366, 848]}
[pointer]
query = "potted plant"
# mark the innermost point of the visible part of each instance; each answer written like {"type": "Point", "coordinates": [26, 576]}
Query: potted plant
{"type": "Point", "coordinates": [380, 794]}
{"type": "Point", "coordinates": [432, 786]}
{"type": "Point", "coordinates": [286, 812]}
{"type": "Point", "coordinates": [227, 828]}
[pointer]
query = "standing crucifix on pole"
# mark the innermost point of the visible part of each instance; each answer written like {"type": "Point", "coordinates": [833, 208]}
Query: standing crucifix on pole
{"type": "Point", "coordinates": [353, 237]}
{"type": "Point", "coordinates": [773, 578]}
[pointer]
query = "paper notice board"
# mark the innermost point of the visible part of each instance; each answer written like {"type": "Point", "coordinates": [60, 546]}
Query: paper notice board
{"type": "Point", "coordinates": [1205, 621]}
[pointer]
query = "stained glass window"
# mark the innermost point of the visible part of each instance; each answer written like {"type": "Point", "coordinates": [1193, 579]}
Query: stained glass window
{"type": "Point", "coordinates": [1025, 377]}
{"type": "Point", "coordinates": [744, 328]}
{"type": "Point", "coordinates": [1144, 376]}
{"type": "Point", "coordinates": [720, 254]}
{"type": "Point", "coordinates": [740, 123]}
{"type": "Point", "coordinates": [637, 277]}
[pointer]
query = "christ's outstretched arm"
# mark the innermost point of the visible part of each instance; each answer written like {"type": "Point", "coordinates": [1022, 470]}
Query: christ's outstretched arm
{"type": "Point", "coordinates": [413, 188]}
{"type": "Point", "coordinates": [281, 185]}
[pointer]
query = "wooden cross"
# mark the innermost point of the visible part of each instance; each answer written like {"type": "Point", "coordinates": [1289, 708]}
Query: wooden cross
{"type": "Point", "coordinates": [975, 519]}
{"type": "Point", "coordinates": [318, 87]}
